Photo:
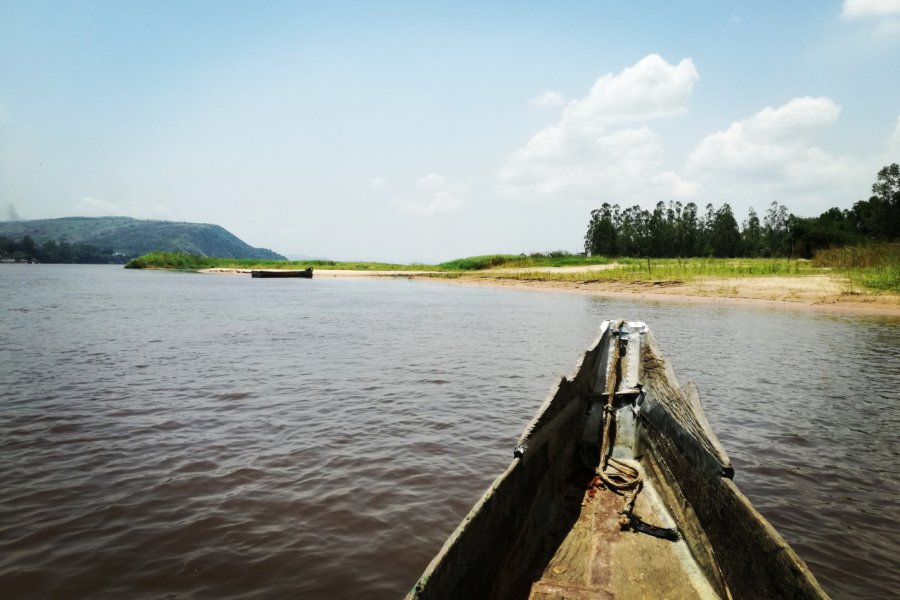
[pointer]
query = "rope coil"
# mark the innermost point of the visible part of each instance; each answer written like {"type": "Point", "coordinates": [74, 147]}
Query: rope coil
{"type": "Point", "coordinates": [617, 475]}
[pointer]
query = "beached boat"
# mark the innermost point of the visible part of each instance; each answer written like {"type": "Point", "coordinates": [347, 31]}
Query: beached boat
{"type": "Point", "coordinates": [618, 489]}
{"type": "Point", "coordinates": [307, 273]}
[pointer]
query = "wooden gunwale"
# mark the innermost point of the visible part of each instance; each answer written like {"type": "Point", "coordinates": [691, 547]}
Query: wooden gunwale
{"type": "Point", "coordinates": [538, 532]}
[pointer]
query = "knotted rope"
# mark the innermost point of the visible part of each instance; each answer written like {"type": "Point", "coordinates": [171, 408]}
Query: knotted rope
{"type": "Point", "coordinates": [618, 476]}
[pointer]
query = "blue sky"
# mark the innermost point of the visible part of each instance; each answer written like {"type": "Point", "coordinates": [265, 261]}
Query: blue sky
{"type": "Point", "coordinates": [413, 132]}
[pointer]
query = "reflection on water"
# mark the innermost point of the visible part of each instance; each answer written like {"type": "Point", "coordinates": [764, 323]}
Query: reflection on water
{"type": "Point", "coordinates": [180, 434]}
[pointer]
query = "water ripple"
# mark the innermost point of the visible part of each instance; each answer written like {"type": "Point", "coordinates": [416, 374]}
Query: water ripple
{"type": "Point", "coordinates": [176, 436]}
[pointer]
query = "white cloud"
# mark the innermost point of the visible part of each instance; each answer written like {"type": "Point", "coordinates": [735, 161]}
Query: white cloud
{"type": "Point", "coordinates": [888, 28]}
{"type": "Point", "coordinates": [885, 14]}
{"type": "Point", "coordinates": [772, 155]}
{"type": "Point", "coordinates": [377, 182]}
{"type": "Point", "coordinates": [650, 89]}
{"type": "Point", "coordinates": [547, 99]}
{"type": "Point", "coordinates": [433, 194]}
{"type": "Point", "coordinates": [91, 207]}
{"type": "Point", "coordinates": [773, 139]}
{"type": "Point", "coordinates": [601, 143]}
{"type": "Point", "coordinates": [870, 8]}
{"type": "Point", "coordinates": [796, 117]}
{"type": "Point", "coordinates": [432, 181]}
{"type": "Point", "coordinates": [675, 187]}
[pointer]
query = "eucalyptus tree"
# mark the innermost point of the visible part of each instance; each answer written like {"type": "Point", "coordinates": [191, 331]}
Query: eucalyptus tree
{"type": "Point", "coordinates": [752, 235]}
{"type": "Point", "coordinates": [725, 239]}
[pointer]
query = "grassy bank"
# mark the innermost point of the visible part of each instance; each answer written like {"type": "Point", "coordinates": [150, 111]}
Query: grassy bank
{"type": "Point", "coordinates": [175, 260]}
{"type": "Point", "coordinates": [188, 262]}
{"type": "Point", "coordinates": [521, 261]}
{"type": "Point", "coordinates": [873, 267]}
{"type": "Point", "coordinates": [668, 269]}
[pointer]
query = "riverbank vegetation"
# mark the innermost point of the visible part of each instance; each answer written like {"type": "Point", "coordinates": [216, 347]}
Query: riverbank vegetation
{"type": "Point", "coordinates": [873, 266]}
{"type": "Point", "coordinates": [556, 258]}
{"type": "Point", "coordinates": [677, 230]}
{"type": "Point", "coordinates": [190, 262]}
{"type": "Point", "coordinates": [672, 244]}
{"type": "Point", "coordinates": [57, 251]}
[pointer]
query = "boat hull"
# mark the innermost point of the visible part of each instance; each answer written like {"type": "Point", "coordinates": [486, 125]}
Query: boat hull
{"type": "Point", "coordinates": [282, 273]}
{"type": "Point", "coordinates": [542, 531]}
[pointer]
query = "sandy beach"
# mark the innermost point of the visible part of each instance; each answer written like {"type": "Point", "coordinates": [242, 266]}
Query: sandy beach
{"type": "Point", "coordinates": [815, 292]}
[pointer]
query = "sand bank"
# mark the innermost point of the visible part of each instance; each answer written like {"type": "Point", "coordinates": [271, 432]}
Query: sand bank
{"type": "Point", "coordinates": [320, 273]}
{"type": "Point", "coordinates": [815, 292]}
{"type": "Point", "coordinates": [820, 293]}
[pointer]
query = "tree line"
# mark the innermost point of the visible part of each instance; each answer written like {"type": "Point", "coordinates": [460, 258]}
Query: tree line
{"type": "Point", "coordinates": [58, 251]}
{"type": "Point", "coordinates": [681, 230]}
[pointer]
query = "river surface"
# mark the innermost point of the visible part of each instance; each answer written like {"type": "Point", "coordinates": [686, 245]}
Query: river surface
{"type": "Point", "coordinates": [170, 435]}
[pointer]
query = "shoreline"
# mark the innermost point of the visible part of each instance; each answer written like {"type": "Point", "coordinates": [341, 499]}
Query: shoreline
{"type": "Point", "coordinates": [815, 292]}
{"type": "Point", "coordinates": [874, 305]}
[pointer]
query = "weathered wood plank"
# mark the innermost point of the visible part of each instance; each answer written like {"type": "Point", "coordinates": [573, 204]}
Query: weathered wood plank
{"type": "Point", "coordinates": [537, 534]}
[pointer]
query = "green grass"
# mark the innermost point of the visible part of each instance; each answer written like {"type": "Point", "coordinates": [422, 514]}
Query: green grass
{"type": "Point", "coordinates": [876, 267]}
{"type": "Point", "coordinates": [873, 266]}
{"type": "Point", "coordinates": [668, 269]}
{"type": "Point", "coordinates": [512, 261]}
{"type": "Point", "coordinates": [176, 260]}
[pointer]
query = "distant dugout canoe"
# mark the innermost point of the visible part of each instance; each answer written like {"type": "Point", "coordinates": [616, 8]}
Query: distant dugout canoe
{"type": "Point", "coordinates": [618, 489]}
{"type": "Point", "coordinates": [306, 273]}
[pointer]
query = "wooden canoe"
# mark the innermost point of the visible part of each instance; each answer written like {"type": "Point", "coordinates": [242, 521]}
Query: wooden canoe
{"type": "Point", "coordinates": [551, 527]}
{"type": "Point", "coordinates": [306, 273]}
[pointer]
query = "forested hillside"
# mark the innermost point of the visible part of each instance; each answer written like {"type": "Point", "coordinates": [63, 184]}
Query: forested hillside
{"type": "Point", "coordinates": [117, 240]}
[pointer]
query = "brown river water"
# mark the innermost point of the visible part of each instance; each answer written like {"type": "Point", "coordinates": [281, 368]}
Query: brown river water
{"type": "Point", "coordinates": [170, 435]}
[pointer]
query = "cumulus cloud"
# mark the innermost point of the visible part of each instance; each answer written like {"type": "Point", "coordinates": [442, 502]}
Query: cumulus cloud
{"type": "Point", "coordinates": [885, 14]}
{"type": "Point", "coordinates": [433, 194]}
{"type": "Point", "coordinates": [774, 139]}
{"type": "Point", "coordinates": [650, 89]}
{"type": "Point", "coordinates": [601, 142]}
{"type": "Point", "coordinates": [547, 99]}
{"type": "Point", "coordinates": [772, 154]}
{"type": "Point", "coordinates": [377, 182]}
{"type": "Point", "coordinates": [888, 28]}
{"type": "Point", "coordinates": [676, 187]}
{"type": "Point", "coordinates": [870, 8]}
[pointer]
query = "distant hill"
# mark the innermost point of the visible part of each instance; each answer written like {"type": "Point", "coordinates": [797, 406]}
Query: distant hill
{"type": "Point", "coordinates": [134, 237]}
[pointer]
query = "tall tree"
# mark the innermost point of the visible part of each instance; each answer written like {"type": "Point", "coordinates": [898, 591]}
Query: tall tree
{"type": "Point", "coordinates": [885, 203]}
{"type": "Point", "coordinates": [752, 235]}
{"type": "Point", "coordinates": [725, 239]}
{"type": "Point", "coordinates": [777, 231]}
{"type": "Point", "coordinates": [688, 231]}
{"type": "Point", "coordinates": [28, 246]}
{"type": "Point", "coordinates": [601, 235]}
